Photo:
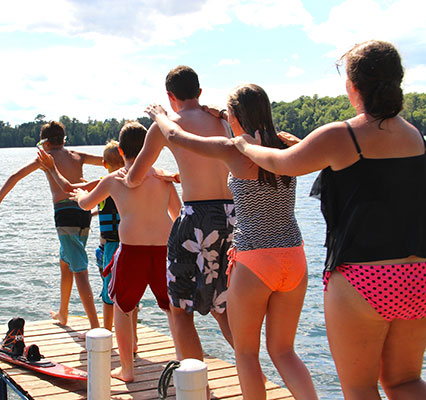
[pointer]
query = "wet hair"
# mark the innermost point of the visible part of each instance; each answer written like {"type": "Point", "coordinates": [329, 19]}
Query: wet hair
{"type": "Point", "coordinates": [182, 81]}
{"type": "Point", "coordinates": [250, 105]}
{"type": "Point", "coordinates": [53, 131]}
{"type": "Point", "coordinates": [374, 67]}
{"type": "Point", "coordinates": [111, 154]}
{"type": "Point", "coordinates": [131, 138]}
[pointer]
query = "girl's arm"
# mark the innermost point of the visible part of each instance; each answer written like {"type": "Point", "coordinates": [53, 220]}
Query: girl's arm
{"type": "Point", "coordinates": [214, 146]}
{"type": "Point", "coordinates": [17, 176]}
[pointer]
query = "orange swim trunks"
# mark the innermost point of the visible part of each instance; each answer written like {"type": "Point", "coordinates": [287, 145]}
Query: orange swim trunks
{"type": "Point", "coordinates": [281, 269]}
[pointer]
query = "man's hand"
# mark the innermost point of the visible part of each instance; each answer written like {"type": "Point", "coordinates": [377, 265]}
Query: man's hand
{"type": "Point", "coordinates": [45, 160]}
{"type": "Point", "coordinates": [288, 138]}
{"type": "Point", "coordinates": [154, 110]}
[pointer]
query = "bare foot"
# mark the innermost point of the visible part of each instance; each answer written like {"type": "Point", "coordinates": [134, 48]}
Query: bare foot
{"type": "Point", "coordinates": [119, 374]}
{"type": "Point", "coordinates": [62, 319]}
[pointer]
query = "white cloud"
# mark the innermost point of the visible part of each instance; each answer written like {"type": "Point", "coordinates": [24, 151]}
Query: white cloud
{"type": "Point", "coordinates": [229, 61]}
{"type": "Point", "coordinates": [294, 71]}
{"type": "Point", "coordinates": [415, 79]}
{"type": "Point", "coordinates": [354, 21]}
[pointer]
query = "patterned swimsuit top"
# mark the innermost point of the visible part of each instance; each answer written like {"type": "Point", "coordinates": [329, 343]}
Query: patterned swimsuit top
{"type": "Point", "coordinates": [265, 215]}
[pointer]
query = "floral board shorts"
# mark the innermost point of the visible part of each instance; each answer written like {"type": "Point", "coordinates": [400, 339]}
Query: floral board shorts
{"type": "Point", "coordinates": [197, 259]}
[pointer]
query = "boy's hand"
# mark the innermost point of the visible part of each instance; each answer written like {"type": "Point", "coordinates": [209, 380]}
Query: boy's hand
{"type": "Point", "coordinates": [154, 110]}
{"type": "Point", "coordinates": [288, 138]}
{"type": "Point", "coordinates": [76, 194]}
{"type": "Point", "coordinates": [166, 175]}
{"type": "Point", "coordinates": [45, 160]}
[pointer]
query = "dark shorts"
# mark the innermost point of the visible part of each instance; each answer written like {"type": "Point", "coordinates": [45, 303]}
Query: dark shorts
{"type": "Point", "coordinates": [197, 260]}
{"type": "Point", "coordinates": [73, 225]}
{"type": "Point", "coordinates": [132, 269]}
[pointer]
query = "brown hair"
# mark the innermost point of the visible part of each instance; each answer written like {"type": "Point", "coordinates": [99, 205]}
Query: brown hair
{"type": "Point", "coordinates": [111, 154]}
{"type": "Point", "coordinates": [374, 67]}
{"type": "Point", "coordinates": [53, 131]}
{"type": "Point", "coordinates": [131, 138]}
{"type": "Point", "coordinates": [182, 81]}
{"type": "Point", "coordinates": [250, 105]}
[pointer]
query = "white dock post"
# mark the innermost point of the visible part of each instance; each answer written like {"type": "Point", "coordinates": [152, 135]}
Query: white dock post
{"type": "Point", "coordinates": [190, 380]}
{"type": "Point", "coordinates": [98, 345]}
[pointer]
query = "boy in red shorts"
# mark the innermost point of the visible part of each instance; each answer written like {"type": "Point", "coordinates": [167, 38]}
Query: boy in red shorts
{"type": "Point", "coordinates": [146, 216]}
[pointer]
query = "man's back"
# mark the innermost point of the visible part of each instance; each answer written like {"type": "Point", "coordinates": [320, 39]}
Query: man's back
{"type": "Point", "coordinates": [203, 178]}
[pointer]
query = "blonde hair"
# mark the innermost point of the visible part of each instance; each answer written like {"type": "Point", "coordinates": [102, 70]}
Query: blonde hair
{"type": "Point", "coordinates": [111, 154]}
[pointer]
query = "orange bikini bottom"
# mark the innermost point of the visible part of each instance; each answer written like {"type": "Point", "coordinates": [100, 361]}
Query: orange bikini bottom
{"type": "Point", "coordinates": [281, 269]}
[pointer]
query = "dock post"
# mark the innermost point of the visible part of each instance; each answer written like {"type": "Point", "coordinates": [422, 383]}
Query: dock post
{"type": "Point", "coordinates": [190, 380]}
{"type": "Point", "coordinates": [98, 345]}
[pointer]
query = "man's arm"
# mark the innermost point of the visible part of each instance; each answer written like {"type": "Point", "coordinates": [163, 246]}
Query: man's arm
{"type": "Point", "coordinates": [88, 200]}
{"type": "Point", "coordinates": [154, 143]}
{"type": "Point", "coordinates": [16, 177]}
{"type": "Point", "coordinates": [174, 202]}
{"type": "Point", "coordinates": [47, 163]}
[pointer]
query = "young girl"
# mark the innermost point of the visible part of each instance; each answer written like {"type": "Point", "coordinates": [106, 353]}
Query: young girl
{"type": "Point", "coordinates": [267, 272]}
{"type": "Point", "coordinates": [372, 188]}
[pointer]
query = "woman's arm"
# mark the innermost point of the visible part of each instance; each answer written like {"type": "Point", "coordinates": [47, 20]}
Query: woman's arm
{"type": "Point", "coordinates": [17, 176]}
{"type": "Point", "coordinates": [214, 146]}
{"type": "Point", "coordinates": [316, 151]}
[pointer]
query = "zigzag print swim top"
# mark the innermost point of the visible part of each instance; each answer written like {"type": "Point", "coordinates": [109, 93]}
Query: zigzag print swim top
{"type": "Point", "coordinates": [265, 215]}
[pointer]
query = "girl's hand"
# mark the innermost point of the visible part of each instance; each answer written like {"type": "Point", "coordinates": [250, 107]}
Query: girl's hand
{"type": "Point", "coordinates": [288, 138]}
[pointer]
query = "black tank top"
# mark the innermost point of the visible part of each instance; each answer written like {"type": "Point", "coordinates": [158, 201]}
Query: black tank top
{"type": "Point", "coordinates": [375, 209]}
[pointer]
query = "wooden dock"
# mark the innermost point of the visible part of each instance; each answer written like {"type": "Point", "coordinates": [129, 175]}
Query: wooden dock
{"type": "Point", "coordinates": [155, 350]}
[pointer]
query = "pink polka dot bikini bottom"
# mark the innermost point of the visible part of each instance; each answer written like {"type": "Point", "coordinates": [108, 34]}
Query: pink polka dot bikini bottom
{"type": "Point", "coordinates": [394, 291]}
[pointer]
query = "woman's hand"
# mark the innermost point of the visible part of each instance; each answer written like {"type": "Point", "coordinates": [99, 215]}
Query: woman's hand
{"type": "Point", "coordinates": [154, 110]}
{"type": "Point", "coordinates": [243, 141]}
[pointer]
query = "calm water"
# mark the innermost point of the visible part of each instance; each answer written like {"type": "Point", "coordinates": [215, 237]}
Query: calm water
{"type": "Point", "coordinates": [29, 268]}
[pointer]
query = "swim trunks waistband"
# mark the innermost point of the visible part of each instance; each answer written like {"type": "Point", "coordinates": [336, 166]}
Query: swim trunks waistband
{"type": "Point", "coordinates": [218, 201]}
{"type": "Point", "coordinates": [66, 203]}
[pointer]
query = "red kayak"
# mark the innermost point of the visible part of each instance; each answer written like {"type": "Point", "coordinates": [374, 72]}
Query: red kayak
{"type": "Point", "coordinates": [44, 366]}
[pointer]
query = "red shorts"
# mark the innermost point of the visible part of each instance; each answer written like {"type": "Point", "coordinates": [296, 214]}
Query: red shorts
{"type": "Point", "coordinates": [132, 269]}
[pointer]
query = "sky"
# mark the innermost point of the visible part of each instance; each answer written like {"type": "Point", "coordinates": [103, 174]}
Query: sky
{"type": "Point", "coordinates": [102, 59]}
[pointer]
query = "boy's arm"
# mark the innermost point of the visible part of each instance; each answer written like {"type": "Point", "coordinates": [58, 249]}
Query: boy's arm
{"type": "Point", "coordinates": [47, 163]}
{"type": "Point", "coordinates": [154, 143]}
{"type": "Point", "coordinates": [91, 159]}
{"type": "Point", "coordinates": [16, 177]}
{"type": "Point", "coordinates": [88, 200]}
{"type": "Point", "coordinates": [174, 202]}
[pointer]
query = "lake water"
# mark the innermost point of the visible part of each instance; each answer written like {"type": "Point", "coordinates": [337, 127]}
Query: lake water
{"type": "Point", "coordinates": [29, 268]}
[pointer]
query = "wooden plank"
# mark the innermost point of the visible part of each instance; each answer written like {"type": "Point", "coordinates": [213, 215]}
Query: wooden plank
{"type": "Point", "coordinates": [62, 344]}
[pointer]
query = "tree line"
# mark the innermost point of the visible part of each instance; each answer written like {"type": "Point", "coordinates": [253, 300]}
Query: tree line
{"type": "Point", "coordinates": [299, 117]}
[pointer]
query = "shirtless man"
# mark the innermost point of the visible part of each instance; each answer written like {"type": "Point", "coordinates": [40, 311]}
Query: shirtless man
{"type": "Point", "coordinates": [144, 227]}
{"type": "Point", "coordinates": [201, 236]}
{"type": "Point", "coordinates": [72, 223]}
